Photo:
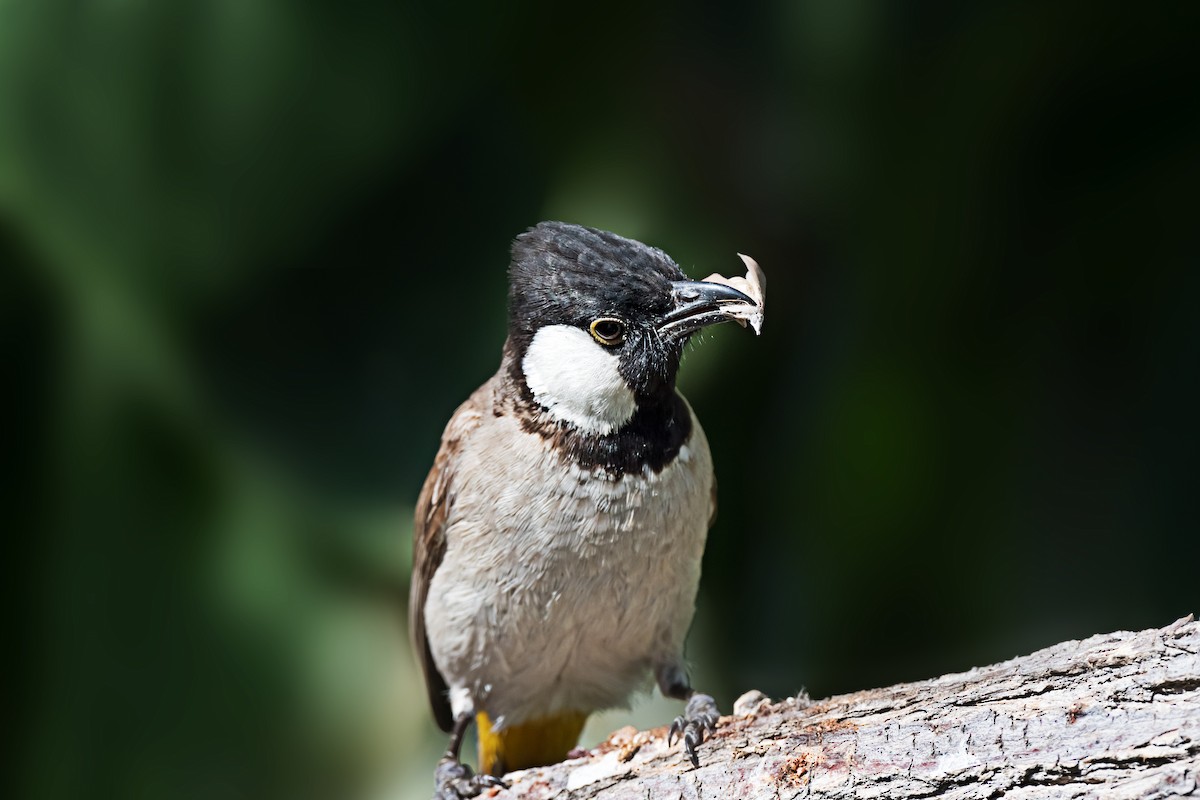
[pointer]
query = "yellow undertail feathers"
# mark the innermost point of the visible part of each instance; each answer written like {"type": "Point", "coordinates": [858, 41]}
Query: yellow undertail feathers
{"type": "Point", "coordinates": [532, 744]}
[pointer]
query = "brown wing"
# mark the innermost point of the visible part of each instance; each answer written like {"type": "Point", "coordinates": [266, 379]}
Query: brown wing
{"type": "Point", "coordinates": [429, 543]}
{"type": "Point", "coordinates": [712, 503]}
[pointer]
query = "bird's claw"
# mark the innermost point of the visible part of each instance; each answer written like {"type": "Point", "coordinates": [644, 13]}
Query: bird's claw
{"type": "Point", "coordinates": [698, 720]}
{"type": "Point", "coordinates": [454, 780]}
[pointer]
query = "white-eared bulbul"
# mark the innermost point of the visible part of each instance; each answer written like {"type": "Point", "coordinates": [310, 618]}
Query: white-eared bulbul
{"type": "Point", "coordinates": [559, 534]}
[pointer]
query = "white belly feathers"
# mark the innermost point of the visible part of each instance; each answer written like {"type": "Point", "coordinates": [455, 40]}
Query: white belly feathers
{"type": "Point", "coordinates": [603, 587]}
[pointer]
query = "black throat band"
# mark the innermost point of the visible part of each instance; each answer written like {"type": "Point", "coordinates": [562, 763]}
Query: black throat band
{"type": "Point", "coordinates": [650, 439]}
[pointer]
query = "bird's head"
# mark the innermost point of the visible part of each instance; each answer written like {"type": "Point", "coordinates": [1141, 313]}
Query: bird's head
{"type": "Point", "coordinates": [598, 323]}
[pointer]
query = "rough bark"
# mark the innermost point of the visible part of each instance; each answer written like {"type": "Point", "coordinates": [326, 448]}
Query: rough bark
{"type": "Point", "coordinates": [1113, 716]}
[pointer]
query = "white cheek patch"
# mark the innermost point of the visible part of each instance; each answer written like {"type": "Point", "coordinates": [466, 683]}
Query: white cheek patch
{"type": "Point", "coordinates": [576, 379]}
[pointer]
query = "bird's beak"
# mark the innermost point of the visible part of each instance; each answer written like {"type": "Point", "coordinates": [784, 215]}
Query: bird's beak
{"type": "Point", "coordinates": [699, 304]}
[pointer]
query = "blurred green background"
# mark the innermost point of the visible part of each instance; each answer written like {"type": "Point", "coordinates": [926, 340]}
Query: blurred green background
{"type": "Point", "coordinates": [254, 255]}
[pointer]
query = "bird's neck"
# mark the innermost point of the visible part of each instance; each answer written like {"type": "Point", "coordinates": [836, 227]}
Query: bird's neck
{"type": "Point", "coordinates": [649, 437]}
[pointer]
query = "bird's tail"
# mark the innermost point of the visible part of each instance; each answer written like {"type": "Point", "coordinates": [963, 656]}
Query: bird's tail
{"type": "Point", "coordinates": [534, 743]}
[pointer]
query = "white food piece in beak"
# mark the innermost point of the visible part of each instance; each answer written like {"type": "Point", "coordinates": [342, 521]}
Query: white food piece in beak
{"type": "Point", "coordinates": [753, 285]}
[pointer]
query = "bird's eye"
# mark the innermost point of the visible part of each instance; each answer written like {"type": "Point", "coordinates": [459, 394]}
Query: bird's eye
{"type": "Point", "coordinates": [608, 331]}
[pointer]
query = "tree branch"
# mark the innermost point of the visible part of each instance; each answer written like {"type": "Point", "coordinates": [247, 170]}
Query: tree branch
{"type": "Point", "coordinates": [1113, 716]}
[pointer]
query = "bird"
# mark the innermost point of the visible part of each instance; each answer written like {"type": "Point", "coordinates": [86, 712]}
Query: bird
{"type": "Point", "coordinates": [558, 536]}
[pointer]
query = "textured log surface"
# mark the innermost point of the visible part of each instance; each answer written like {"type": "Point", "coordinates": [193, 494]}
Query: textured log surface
{"type": "Point", "coordinates": [1113, 716]}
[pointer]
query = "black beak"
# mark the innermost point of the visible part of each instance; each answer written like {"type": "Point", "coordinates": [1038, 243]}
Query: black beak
{"type": "Point", "coordinates": [698, 305]}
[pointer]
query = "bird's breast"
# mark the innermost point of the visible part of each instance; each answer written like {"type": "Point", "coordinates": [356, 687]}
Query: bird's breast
{"type": "Point", "coordinates": [562, 583]}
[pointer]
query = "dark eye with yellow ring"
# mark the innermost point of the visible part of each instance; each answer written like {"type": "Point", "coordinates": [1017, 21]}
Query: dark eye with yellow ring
{"type": "Point", "coordinates": [608, 331]}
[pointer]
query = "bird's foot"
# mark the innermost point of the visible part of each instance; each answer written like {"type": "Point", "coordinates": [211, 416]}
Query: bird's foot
{"type": "Point", "coordinates": [454, 780]}
{"type": "Point", "coordinates": [698, 720]}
